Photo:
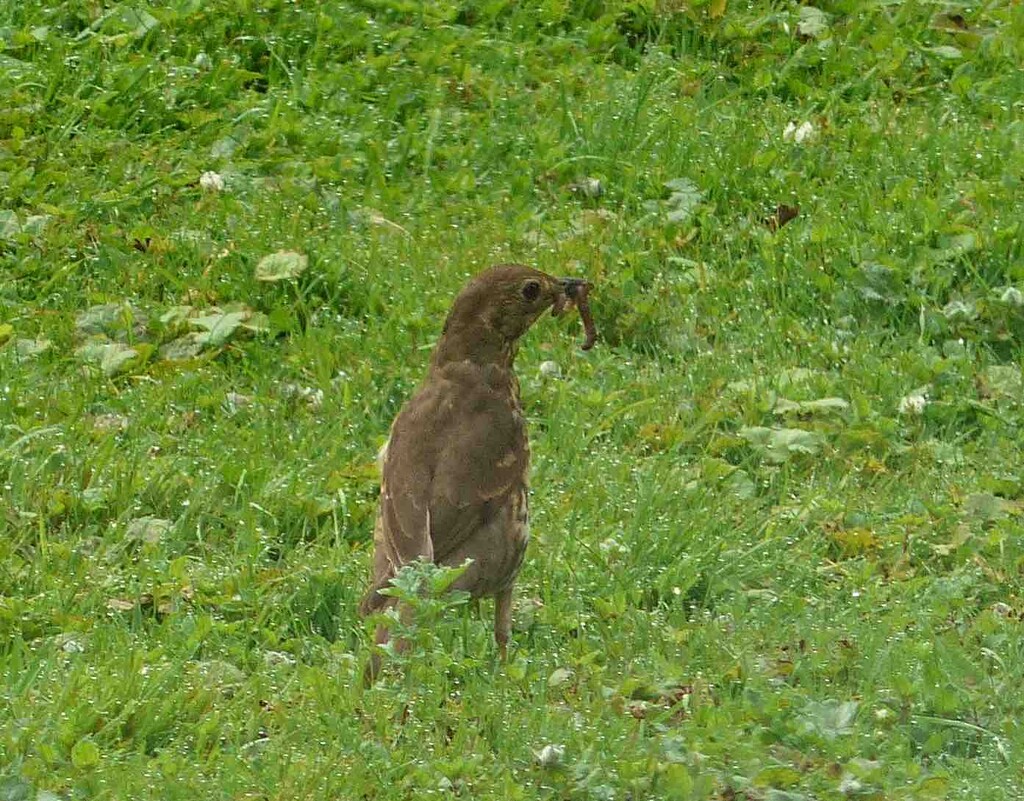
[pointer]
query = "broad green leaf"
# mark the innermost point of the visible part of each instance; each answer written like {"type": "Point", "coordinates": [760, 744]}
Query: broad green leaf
{"type": "Point", "coordinates": [280, 266]}
{"type": "Point", "coordinates": [559, 676]}
{"type": "Point", "coordinates": [218, 328]}
{"type": "Point", "coordinates": [796, 376]}
{"type": "Point", "coordinates": [718, 472]}
{"type": "Point", "coordinates": [684, 199]}
{"type": "Point", "coordinates": [947, 52]}
{"type": "Point", "coordinates": [822, 406]}
{"type": "Point", "coordinates": [675, 780]}
{"type": "Point", "coordinates": [442, 580]}
{"type": "Point", "coordinates": [14, 788]}
{"type": "Point", "coordinates": [830, 718]}
{"type": "Point", "coordinates": [182, 348]}
{"type": "Point", "coordinates": [813, 22]}
{"type": "Point", "coordinates": [778, 776]}
{"type": "Point", "coordinates": [1003, 381]}
{"type": "Point", "coordinates": [148, 529]}
{"type": "Point", "coordinates": [219, 675]}
{"type": "Point", "coordinates": [136, 21]}
{"type": "Point", "coordinates": [35, 223]}
{"type": "Point", "coordinates": [30, 348]}
{"type": "Point", "coordinates": [9, 223]}
{"type": "Point", "coordinates": [85, 754]}
{"type": "Point", "coordinates": [176, 316]}
{"type": "Point", "coordinates": [935, 786]}
{"type": "Point", "coordinates": [112, 319]}
{"type": "Point", "coordinates": [779, 444]}
{"type": "Point", "coordinates": [986, 506]}
{"type": "Point", "coordinates": [111, 357]}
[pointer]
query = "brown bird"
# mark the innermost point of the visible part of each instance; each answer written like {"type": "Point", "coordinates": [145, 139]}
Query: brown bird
{"type": "Point", "coordinates": [455, 468]}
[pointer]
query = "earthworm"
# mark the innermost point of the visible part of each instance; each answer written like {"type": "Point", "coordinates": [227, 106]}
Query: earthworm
{"type": "Point", "coordinates": [580, 296]}
{"type": "Point", "coordinates": [575, 294]}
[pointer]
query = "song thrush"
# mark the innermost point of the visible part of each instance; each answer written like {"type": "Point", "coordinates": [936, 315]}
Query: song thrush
{"type": "Point", "coordinates": [455, 468]}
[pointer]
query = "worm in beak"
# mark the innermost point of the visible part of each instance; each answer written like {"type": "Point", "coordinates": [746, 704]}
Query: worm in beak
{"type": "Point", "coordinates": [574, 293]}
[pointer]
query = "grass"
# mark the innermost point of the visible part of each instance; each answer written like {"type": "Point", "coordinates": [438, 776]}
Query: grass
{"type": "Point", "coordinates": [777, 511]}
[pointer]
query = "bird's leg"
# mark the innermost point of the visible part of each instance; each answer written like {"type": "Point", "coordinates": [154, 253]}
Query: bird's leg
{"type": "Point", "coordinates": [503, 621]}
{"type": "Point", "coordinates": [382, 636]}
{"type": "Point", "coordinates": [372, 670]}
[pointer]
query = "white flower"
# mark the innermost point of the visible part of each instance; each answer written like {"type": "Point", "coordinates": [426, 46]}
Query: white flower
{"type": "Point", "coordinates": [550, 756]}
{"type": "Point", "coordinates": [915, 402]}
{"type": "Point", "coordinates": [236, 400]}
{"type": "Point", "coordinates": [550, 369]}
{"type": "Point", "coordinates": [1002, 609]}
{"type": "Point", "coordinates": [957, 309]}
{"type": "Point", "coordinates": [1012, 296]}
{"type": "Point", "coordinates": [798, 133]}
{"type": "Point", "coordinates": [311, 396]}
{"type": "Point", "coordinates": [211, 181]}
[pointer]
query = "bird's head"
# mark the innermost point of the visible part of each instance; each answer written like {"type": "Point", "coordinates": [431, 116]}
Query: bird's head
{"type": "Point", "coordinates": [500, 304]}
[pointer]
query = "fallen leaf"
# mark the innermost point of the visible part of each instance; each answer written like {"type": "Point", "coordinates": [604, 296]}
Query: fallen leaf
{"type": "Point", "coordinates": [854, 542]}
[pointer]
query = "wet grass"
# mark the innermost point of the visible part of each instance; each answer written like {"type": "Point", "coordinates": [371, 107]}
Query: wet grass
{"type": "Point", "coordinates": [777, 511]}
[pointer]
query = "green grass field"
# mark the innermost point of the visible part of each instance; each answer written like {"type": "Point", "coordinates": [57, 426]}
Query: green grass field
{"type": "Point", "coordinates": [777, 512]}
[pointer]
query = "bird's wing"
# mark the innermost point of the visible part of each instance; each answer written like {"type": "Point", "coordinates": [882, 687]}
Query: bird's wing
{"type": "Point", "coordinates": [405, 499]}
{"type": "Point", "coordinates": [456, 452]}
{"type": "Point", "coordinates": [402, 532]}
{"type": "Point", "coordinates": [483, 462]}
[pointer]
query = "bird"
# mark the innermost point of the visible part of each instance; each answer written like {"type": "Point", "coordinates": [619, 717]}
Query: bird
{"type": "Point", "coordinates": [455, 468]}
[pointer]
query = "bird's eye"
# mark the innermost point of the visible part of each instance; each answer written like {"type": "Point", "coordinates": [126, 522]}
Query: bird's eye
{"type": "Point", "coordinates": [531, 290]}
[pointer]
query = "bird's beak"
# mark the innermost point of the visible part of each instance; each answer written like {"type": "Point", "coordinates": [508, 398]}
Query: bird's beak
{"type": "Point", "coordinates": [574, 293]}
{"type": "Point", "coordinates": [571, 285]}
{"type": "Point", "coordinates": [566, 298]}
